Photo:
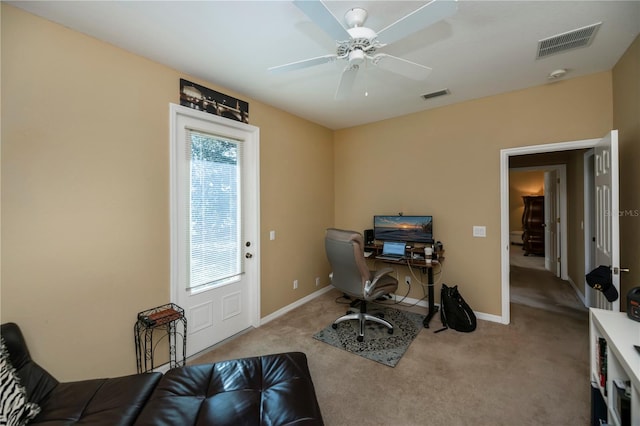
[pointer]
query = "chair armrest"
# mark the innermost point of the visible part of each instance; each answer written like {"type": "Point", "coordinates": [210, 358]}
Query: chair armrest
{"type": "Point", "coordinates": [380, 273]}
{"type": "Point", "coordinates": [369, 286]}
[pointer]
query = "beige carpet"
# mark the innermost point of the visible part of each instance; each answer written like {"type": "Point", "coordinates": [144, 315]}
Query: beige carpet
{"type": "Point", "coordinates": [531, 372]}
{"type": "Point", "coordinates": [532, 285]}
{"type": "Point", "coordinates": [517, 258]}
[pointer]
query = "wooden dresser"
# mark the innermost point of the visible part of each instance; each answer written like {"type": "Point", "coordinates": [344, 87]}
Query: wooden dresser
{"type": "Point", "coordinates": [533, 225]}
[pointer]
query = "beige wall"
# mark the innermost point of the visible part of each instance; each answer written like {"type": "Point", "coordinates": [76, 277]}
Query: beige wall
{"type": "Point", "coordinates": [452, 170]}
{"type": "Point", "coordinates": [626, 112]}
{"type": "Point", "coordinates": [85, 241]}
{"type": "Point", "coordinates": [522, 183]}
{"type": "Point", "coordinates": [297, 202]}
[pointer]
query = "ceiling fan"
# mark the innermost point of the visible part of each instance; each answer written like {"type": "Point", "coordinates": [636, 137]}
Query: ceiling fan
{"type": "Point", "coordinates": [358, 44]}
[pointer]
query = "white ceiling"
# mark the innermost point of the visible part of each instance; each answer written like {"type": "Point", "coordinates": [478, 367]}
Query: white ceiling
{"type": "Point", "coordinates": [485, 48]}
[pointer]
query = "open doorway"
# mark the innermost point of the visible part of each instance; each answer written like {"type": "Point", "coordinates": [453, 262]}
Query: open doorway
{"type": "Point", "coordinates": [538, 213]}
{"type": "Point", "coordinates": [538, 232]}
{"type": "Point", "coordinates": [544, 155]}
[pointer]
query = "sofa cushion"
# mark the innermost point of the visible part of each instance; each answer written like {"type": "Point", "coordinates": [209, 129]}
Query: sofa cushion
{"type": "Point", "coordinates": [15, 409]}
{"type": "Point", "coordinates": [266, 390]}
{"type": "Point", "coordinates": [116, 401]}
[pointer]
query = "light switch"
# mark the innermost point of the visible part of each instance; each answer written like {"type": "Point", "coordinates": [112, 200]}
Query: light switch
{"type": "Point", "coordinates": [480, 231]}
{"type": "Point", "coordinates": [272, 235]}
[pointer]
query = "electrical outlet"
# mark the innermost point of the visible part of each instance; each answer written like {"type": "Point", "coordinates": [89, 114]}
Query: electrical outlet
{"type": "Point", "coordinates": [407, 279]}
{"type": "Point", "coordinates": [295, 284]}
{"type": "Point", "coordinates": [317, 281]}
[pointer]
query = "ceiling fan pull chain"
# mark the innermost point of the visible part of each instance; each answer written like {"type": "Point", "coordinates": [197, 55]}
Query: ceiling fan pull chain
{"type": "Point", "coordinates": [366, 78]}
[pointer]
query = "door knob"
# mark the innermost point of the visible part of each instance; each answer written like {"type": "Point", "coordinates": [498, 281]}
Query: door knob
{"type": "Point", "coordinates": [248, 255]}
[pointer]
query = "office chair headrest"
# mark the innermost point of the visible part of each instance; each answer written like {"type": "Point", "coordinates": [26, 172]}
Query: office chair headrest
{"type": "Point", "coordinates": [345, 235]}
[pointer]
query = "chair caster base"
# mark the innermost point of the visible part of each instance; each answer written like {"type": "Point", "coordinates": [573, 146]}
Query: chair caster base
{"type": "Point", "coordinates": [360, 338]}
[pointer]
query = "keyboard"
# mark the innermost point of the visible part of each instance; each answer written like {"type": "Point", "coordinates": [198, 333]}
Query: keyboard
{"type": "Point", "coordinates": [387, 257]}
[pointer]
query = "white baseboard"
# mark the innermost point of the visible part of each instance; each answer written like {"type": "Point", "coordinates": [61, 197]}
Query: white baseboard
{"type": "Point", "coordinates": [163, 368]}
{"type": "Point", "coordinates": [294, 305]}
{"type": "Point", "coordinates": [489, 317]}
{"type": "Point", "coordinates": [411, 301]}
{"type": "Point", "coordinates": [479, 315]}
{"type": "Point", "coordinates": [578, 292]}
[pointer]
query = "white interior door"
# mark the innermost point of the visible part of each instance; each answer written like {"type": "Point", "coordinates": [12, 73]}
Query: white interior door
{"type": "Point", "coordinates": [589, 224]}
{"type": "Point", "coordinates": [551, 220]}
{"type": "Point", "coordinates": [607, 232]}
{"type": "Point", "coordinates": [214, 225]}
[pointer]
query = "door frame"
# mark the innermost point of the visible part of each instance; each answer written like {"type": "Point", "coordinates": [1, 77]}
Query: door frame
{"type": "Point", "coordinates": [505, 154]}
{"type": "Point", "coordinates": [252, 204]}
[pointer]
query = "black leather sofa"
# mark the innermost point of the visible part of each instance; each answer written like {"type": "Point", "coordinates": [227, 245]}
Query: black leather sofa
{"type": "Point", "coordinates": [266, 390]}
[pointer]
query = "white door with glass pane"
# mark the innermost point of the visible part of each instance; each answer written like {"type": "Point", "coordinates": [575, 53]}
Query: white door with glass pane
{"type": "Point", "coordinates": [214, 225]}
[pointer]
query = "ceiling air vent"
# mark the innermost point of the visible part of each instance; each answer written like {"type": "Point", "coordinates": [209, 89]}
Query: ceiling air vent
{"type": "Point", "coordinates": [436, 94]}
{"type": "Point", "coordinates": [566, 41]}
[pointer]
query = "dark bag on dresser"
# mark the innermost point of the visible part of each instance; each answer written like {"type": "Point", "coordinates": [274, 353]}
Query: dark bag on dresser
{"type": "Point", "coordinates": [454, 311]}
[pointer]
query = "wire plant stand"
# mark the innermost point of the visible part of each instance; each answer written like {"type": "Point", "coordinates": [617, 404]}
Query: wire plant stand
{"type": "Point", "coordinates": [164, 320]}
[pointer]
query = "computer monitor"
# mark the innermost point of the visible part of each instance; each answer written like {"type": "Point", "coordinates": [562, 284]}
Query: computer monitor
{"type": "Point", "coordinates": [412, 229]}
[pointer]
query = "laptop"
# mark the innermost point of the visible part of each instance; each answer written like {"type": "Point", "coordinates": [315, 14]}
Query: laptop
{"type": "Point", "coordinates": [392, 250]}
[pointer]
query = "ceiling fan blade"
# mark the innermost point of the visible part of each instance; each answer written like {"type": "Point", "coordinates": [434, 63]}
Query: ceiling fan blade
{"type": "Point", "coordinates": [347, 79]}
{"type": "Point", "coordinates": [401, 66]}
{"type": "Point", "coordinates": [318, 12]}
{"type": "Point", "coordinates": [429, 14]}
{"type": "Point", "coordinates": [305, 63]}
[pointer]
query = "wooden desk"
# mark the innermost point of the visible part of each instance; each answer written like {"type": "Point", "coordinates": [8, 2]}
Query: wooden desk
{"type": "Point", "coordinates": [427, 268]}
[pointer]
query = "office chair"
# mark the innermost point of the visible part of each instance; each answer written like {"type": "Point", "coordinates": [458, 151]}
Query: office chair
{"type": "Point", "coordinates": [351, 275]}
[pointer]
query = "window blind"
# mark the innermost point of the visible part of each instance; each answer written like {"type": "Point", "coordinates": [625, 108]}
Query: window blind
{"type": "Point", "coordinates": [214, 220]}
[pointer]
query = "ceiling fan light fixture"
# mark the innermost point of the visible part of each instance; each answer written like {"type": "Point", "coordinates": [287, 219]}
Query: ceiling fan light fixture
{"type": "Point", "coordinates": [356, 57]}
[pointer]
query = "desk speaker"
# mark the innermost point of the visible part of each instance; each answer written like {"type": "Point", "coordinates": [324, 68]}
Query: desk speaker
{"type": "Point", "coordinates": [368, 236]}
